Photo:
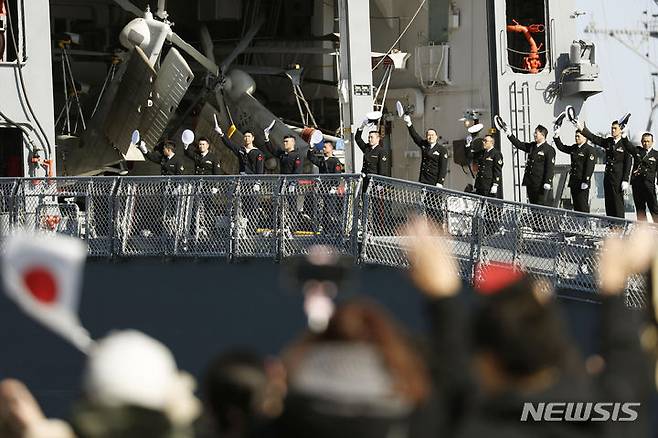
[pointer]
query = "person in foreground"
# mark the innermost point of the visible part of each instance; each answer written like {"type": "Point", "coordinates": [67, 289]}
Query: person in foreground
{"type": "Point", "coordinates": [519, 351]}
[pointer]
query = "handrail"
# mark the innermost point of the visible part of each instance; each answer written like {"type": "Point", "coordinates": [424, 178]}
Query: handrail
{"type": "Point", "coordinates": [277, 216]}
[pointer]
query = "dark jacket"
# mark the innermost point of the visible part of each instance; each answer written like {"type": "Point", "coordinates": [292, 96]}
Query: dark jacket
{"type": "Point", "coordinates": [626, 377]}
{"type": "Point", "coordinates": [168, 166]}
{"type": "Point", "coordinates": [540, 163]}
{"type": "Point", "coordinates": [490, 168]}
{"type": "Point", "coordinates": [325, 165]}
{"type": "Point", "coordinates": [251, 163]}
{"type": "Point", "coordinates": [204, 165]}
{"type": "Point", "coordinates": [645, 166]}
{"type": "Point", "coordinates": [583, 160]}
{"type": "Point", "coordinates": [289, 162]}
{"type": "Point", "coordinates": [618, 160]}
{"type": "Point", "coordinates": [376, 160]}
{"type": "Point", "coordinates": [434, 161]}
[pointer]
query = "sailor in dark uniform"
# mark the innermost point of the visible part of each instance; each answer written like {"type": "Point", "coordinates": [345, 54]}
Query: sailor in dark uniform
{"type": "Point", "coordinates": [539, 166]}
{"type": "Point", "coordinates": [205, 162]}
{"type": "Point", "coordinates": [329, 193]}
{"type": "Point", "coordinates": [327, 163]}
{"type": "Point", "coordinates": [290, 160]}
{"type": "Point", "coordinates": [376, 160]}
{"type": "Point", "coordinates": [170, 163]}
{"type": "Point", "coordinates": [489, 161]}
{"type": "Point", "coordinates": [251, 160]}
{"type": "Point", "coordinates": [434, 162]}
{"type": "Point", "coordinates": [583, 160]}
{"type": "Point", "coordinates": [618, 166]}
{"type": "Point", "coordinates": [643, 178]}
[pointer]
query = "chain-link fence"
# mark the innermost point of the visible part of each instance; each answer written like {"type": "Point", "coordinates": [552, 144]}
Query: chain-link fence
{"type": "Point", "coordinates": [80, 207]}
{"type": "Point", "coordinates": [319, 210]}
{"type": "Point", "coordinates": [559, 246]}
{"type": "Point", "coordinates": [279, 216]}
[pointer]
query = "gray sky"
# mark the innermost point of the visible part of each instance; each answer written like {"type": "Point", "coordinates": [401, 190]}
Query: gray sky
{"type": "Point", "coordinates": [626, 77]}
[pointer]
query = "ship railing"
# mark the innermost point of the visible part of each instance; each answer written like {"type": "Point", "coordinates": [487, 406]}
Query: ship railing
{"type": "Point", "coordinates": [275, 217]}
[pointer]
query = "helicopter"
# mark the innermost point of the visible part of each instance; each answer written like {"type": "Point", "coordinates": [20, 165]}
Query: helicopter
{"type": "Point", "coordinates": [149, 87]}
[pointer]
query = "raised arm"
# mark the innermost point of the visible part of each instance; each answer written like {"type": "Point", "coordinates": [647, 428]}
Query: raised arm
{"type": "Point", "coordinates": [525, 147]}
{"type": "Point", "coordinates": [420, 141]}
{"type": "Point", "coordinates": [231, 145]}
{"type": "Point", "coordinates": [359, 141]}
{"type": "Point", "coordinates": [154, 156]}
{"type": "Point", "coordinates": [273, 149]}
{"type": "Point", "coordinates": [190, 154]}
{"type": "Point", "coordinates": [598, 141]}
{"type": "Point", "coordinates": [561, 146]}
{"type": "Point", "coordinates": [626, 373]}
{"type": "Point", "coordinates": [313, 158]}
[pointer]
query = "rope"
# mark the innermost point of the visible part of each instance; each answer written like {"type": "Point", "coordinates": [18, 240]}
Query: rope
{"type": "Point", "coordinates": [401, 35]}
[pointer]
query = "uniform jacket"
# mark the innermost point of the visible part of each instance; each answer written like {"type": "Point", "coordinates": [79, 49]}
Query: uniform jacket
{"type": "Point", "coordinates": [168, 166]}
{"type": "Point", "coordinates": [204, 164]}
{"type": "Point", "coordinates": [583, 160]}
{"type": "Point", "coordinates": [490, 168]}
{"type": "Point", "coordinates": [434, 162]}
{"type": "Point", "coordinates": [540, 163]}
{"type": "Point", "coordinates": [645, 166]}
{"type": "Point", "coordinates": [251, 162]}
{"type": "Point", "coordinates": [618, 160]}
{"type": "Point", "coordinates": [325, 165]}
{"type": "Point", "coordinates": [376, 160]}
{"type": "Point", "coordinates": [289, 162]}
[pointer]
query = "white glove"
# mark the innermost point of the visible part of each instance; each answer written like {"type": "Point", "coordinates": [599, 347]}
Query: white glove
{"type": "Point", "coordinates": [214, 190]}
{"type": "Point", "coordinates": [556, 132]}
{"type": "Point", "coordinates": [256, 188]}
{"type": "Point", "coordinates": [624, 132]}
{"type": "Point", "coordinates": [578, 124]}
{"type": "Point", "coordinates": [407, 119]}
{"type": "Point", "coordinates": [547, 187]}
{"type": "Point", "coordinates": [494, 189]}
{"type": "Point", "coordinates": [624, 186]}
{"type": "Point", "coordinates": [365, 122]}
{"type": "Point", "coordinates": [469, 140]}
{"type": "Point", "coordinates": [291, 188]}
{"type": "Point", "coordinates": [218, 130]}
{"type": "Point", "coordinates": [584, 186]}
{"type": "Point", "coordinates": [142, 147]}
{"type": "Point", "coordinates": [267, 130]}
{"type": "Point", "coordinates": [439, 185]}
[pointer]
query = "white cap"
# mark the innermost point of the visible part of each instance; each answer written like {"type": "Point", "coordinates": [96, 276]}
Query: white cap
{"type": "Point", "coordinates": [128, 367]}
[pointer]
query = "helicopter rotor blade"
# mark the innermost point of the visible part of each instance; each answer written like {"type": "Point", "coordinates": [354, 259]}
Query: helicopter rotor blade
{"type": "Point", "coordinates": [129, 7]}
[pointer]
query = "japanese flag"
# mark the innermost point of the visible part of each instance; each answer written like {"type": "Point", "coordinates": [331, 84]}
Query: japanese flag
{"type": "Point", "coordinates": [42, 273]}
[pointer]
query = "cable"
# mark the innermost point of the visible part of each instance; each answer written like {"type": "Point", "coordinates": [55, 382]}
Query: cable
{"type": "Point", "coordinates": [401, 35]}
{"type": "Point", "coordinates": [22, 82]}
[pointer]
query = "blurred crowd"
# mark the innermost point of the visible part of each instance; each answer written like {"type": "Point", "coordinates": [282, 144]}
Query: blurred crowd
{"type": "Point", "coordinates": [491, 348]}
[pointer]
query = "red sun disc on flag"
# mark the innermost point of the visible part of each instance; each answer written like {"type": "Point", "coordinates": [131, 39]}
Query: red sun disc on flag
{"type": "Point", "coordinates": [41, 284]}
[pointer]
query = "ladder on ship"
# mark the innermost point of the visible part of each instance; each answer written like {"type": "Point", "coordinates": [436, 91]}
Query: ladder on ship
{"type": "Point", "coordinates": [519, 100]}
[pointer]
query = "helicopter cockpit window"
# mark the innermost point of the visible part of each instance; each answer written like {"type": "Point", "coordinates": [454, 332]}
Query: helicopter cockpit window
{"type": "Point", "coordinates": [12, 35]}
{"type": "Point", "coordinates": [527, 40]}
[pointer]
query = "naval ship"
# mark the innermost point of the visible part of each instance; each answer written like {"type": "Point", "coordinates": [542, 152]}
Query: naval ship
{"type": "Point", "coordinates": [80, 78]}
